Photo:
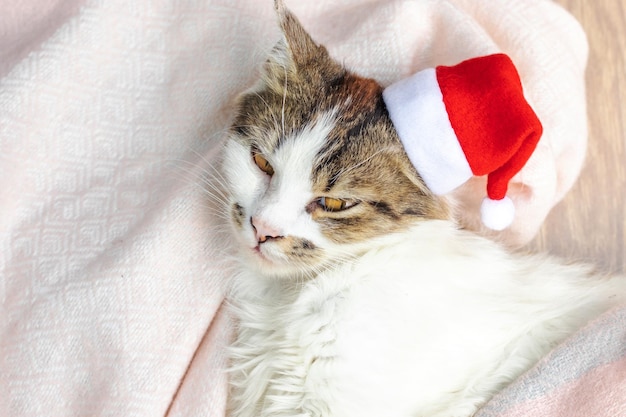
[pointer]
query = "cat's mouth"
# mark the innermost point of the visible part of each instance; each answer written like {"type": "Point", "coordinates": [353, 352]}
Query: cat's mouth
{"type": "Point", "coordinates": [270, 254]}
{"type": "Point", "coordinates": [259, 253]}
{"type": "Point", "coordinates": [286, 256]}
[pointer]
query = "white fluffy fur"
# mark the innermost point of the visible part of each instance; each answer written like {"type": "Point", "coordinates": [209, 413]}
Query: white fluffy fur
{"type": "Point", "coordinates": [428, 322]}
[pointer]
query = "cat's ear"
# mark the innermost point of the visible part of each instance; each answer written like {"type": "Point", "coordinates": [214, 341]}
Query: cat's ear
{"type": "Point", "coordinates": [298, 48]}
{"type": "Point", "coordinates": [297, 52]}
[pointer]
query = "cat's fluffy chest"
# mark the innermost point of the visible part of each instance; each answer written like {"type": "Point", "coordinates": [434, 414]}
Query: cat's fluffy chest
{"type": "Point", "coordinates": [419, 326]}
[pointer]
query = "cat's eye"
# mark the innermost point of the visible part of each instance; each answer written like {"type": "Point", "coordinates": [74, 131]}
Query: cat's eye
{"type": "Point", "coordinates": [262, 163]}
{"type": "Point", "coordinates": [336, 204]}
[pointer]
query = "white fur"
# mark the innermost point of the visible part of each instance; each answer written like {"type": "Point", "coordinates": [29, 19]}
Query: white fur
{"type": "Point", "coordinates": [428, 322]}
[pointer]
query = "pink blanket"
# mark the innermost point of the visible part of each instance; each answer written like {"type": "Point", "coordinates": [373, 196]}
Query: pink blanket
{"type": "Point", "coordinates": [111, 267]}
{"type": "Point", "coordinates": [584, 377]}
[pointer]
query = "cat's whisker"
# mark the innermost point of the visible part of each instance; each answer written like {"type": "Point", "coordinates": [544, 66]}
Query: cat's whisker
{"type": "Point", "coordinates": [217, 205]}
{"type": "Point", "coordinates": [190, 172]}
{"type": "Point", "coordinates": [209, 172]}
{"type": "Point", "coordinates": [217, 185]}
{"type": "Point", "coordinates": [210, 185]}
{"type": "Point", "coordinates": [219, 202]}
{"type": "Point", "coordinates": [284, 101]}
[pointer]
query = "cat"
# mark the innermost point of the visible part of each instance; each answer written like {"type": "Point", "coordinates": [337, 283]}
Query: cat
{"type": "Point", "coordinates": [356, 293]}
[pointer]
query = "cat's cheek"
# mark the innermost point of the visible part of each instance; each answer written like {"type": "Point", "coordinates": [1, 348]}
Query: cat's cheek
{"type": "Point", "coordinates": [237, 216]}
{"type": "Point", "coordinates": [306, 228]}
{"type": "Point", "coordinates": [243, 177]}
{"type": "Point", "coordinates": [240, 220]}
{"type": "Point", "coordinates": [247, 241]}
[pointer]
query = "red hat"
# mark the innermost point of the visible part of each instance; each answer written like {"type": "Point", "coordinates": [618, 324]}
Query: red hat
{"type": "Point", "coordinates": [467, 120]}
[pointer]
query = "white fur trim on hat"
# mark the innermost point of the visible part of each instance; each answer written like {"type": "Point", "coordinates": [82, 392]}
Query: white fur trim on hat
{"type": "Point", "coordinates": [418, 113]}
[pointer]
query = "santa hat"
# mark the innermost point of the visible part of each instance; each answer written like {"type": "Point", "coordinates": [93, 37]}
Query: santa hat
{"type": "Point", "coordinates": [467, 120]}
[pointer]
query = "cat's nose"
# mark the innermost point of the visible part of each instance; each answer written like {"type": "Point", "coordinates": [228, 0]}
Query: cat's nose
{"type": "Point", "coordinates": [263, 230]}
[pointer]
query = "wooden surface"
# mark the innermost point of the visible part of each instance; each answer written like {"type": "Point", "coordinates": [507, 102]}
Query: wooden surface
{"type": "Point", "coordinates": [589, 224]}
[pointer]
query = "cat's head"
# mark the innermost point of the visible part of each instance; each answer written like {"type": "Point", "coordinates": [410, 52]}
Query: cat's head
{"type": "Point", "coordinates": [315, 169]}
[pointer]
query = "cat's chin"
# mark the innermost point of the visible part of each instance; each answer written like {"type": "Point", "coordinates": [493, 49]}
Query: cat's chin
{"type": "Point", "coordinates": [276, 266]}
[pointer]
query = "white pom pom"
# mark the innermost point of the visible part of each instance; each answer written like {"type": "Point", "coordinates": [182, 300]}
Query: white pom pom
{"type": "Point", "coordinates": [497, 214]}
